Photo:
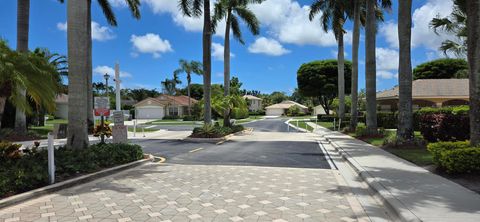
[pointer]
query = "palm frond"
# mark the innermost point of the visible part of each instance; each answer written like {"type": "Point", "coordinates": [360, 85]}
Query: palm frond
{"type": "Point", "coordinates": [134, 6]}
{"type": "Point", "coordinates": [249, 18]}
{"type": "Point", "coordinates": [237, 33]}
{"type": "Point", "coordinates": [108, 12]}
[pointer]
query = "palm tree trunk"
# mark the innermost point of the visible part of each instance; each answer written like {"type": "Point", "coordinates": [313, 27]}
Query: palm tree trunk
{"type": "Point", "coordinates": [3, 101]}
{"type": "Point", "coordinates": [207, 62]}
{"type": "Point", "coordinates": [355, 45]}
{"type": "Point", "coordinates": [370, 68]}
{"type": "Point", "coordinates": [23, 17]}
{"type": "Point", "coordinates": [78, 40]}
{"type": "Point", "coordinates": [226, 67]}
{"type": "Point", "coordinates": [473, 27]}
{"type": "Point", "coordinates": [341, 76]}
{"type": "Point", "coordinates": [188, 93]}
{"type": "Point", "coordinates": [90, 120]}
{"type": "Point", "coordinates": [405, 115]}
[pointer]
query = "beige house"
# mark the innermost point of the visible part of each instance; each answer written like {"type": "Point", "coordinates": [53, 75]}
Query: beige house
{"type": "Point", "coordinates": [280, 109]}
{"type": "Point", "coordinates": [428, 93]}
{"type": "Point", "coordinates": [255, 103]}
{"type": "Point", "coordinates": [164, 105]}
{"type": "Point", "coordinates": [319, 110]}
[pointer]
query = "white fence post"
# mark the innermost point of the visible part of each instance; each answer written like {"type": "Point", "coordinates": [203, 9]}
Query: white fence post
{"type": "Point", "coordinates": [134, 127]}
{"type": "Point", "coordinates": [334, 124]}
{"type": "Point", "coordinates": [143, 131]}
{"type": "Point", "coordinates": [51, 159]}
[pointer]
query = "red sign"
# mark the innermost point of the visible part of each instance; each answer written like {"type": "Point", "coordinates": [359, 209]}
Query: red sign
{"type": "Point", "coordinates": [102, 112]}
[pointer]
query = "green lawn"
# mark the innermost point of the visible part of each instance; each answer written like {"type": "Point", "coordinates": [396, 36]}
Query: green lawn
{"type": "Point", "coordinates": [139, 129]}
{"type": "Point", "coordinates": [417, 156]}
{"type": "Point", "coordinates": [42, 131]}
{"type": "Point", "coordinates": [302, 124]}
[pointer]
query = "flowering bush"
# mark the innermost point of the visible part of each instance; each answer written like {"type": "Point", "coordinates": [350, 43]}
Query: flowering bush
{"type": "Point", "coordinates": [104, 130]}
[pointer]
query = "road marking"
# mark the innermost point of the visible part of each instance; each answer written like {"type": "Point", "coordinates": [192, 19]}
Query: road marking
{"type": "Point", "coordinates": [161, 159]}
{"type": "Point", "coordinates": [149, 127]}
{"type": "Point", "coordinates": [195, 150]}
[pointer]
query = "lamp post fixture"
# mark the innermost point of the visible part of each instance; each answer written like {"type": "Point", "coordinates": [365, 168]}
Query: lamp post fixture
{"type": "Point", "coordinates": [102, 117]}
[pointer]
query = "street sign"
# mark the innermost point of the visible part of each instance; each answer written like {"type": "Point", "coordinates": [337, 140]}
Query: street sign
{"type": "Point", "coordinates": [118, 118]}
{"type": "Point", "coordinates": [102, 106]}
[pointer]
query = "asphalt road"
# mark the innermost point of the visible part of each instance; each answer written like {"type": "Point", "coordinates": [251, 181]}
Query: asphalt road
{"type": "Point", "coordinates": [297, 154]}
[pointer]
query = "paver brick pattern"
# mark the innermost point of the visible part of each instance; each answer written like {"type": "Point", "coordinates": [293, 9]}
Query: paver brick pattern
{"type": "Point", "coordinates": [155, 192]}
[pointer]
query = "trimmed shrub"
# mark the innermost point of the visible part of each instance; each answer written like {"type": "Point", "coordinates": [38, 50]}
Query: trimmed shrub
{"type": "Point", "coordinates": [387, 120]}
{"type": "Point", "coordinates": [29, 170]}
{"type": "Point", "coordinates": [444, 124]}
{"type": "Point", "coordinates": [361, 130]}
{"type": "Point", "coordinates": [455, 157]}
{"type": "Point", "coordinates": [215, 131]}
{"type": "Point", "coordinates": [239, 113]}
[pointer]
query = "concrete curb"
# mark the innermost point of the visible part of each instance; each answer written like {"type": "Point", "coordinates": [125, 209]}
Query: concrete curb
{"type": "Point", "coordinates": [388, 199]}
{"type": "Point", "coordinates": [9, 201]}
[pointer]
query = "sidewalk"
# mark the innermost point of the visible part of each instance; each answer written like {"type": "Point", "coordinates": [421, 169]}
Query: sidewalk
{"type": "Point", "coordinates": [413, 192]}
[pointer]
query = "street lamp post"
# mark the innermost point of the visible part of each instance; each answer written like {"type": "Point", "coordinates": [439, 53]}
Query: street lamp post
{"type": "Point", "coordinates": [102, 117]}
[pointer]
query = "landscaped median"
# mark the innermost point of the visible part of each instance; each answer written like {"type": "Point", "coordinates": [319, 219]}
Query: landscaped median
{"type": "Point", "coordinates": [21, 171]}
{"type": "Point", "coordinates": [214, 133]}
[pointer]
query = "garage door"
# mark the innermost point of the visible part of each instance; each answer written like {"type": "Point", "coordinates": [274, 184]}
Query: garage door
{"type": "Point", "coordinates": [274, 112]}
{"type": "Point", "coordinates": [150, 113]}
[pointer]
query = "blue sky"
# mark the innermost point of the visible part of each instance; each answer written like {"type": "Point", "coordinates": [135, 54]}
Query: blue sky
{"type": "Point", "coordinates": [148, 49]}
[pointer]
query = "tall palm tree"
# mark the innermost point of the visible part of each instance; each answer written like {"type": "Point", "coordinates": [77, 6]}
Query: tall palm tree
{"type": "Point", "coordinates": [189, 68]}
{"type": "Point", "coordinates": [473, 26]}
{"type": "Point", "coordinates": [405, 115]}
{"type": "Point", "coordinates": [82, 64]}
{"type": "Point", "coordinates": [456, 24]}
{"type": "Point", "coordinates": [371, 67]}
{"type": "Point", "coordinates": [231, 11]}
{"type": "Point", "coordinates": [334, 14]}
{"type": "Point", "coordinates": [23, 17]}
{"type": "Point", "coordinates": [26, 71]}
{"type": "Point", "coordinates": [359, 14]}
{"type": "Point", "coordinates": [194, 8]}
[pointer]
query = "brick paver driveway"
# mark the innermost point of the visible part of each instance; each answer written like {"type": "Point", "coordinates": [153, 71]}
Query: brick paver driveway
{"type": "Point", "coordinates": [164, 192]}
{"type": "Point", "coordinates": [268, 175]}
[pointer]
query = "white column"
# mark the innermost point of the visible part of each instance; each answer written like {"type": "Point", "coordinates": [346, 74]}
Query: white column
{"type": "Point", "coordinates": [117, 88]}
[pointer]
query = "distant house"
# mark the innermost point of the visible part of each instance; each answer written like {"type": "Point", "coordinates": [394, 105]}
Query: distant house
{"type": "Point", "coordinates": [319, 110]}
{"type": "Point", "coordinates": [61, 103]}
{"type": "Point", "coordinates": [429, 93]}
{"type": "Point", "coordinates": [161, 106]}
{"type": "Point", "coordinates": [255, 103]}
{"type": "Point", "coordinates": [281, 108]}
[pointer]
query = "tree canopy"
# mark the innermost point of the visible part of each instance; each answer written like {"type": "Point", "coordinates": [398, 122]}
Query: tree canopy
{"type": "Point", "coordinates": [320, 79]}
{"type": "Point", "coordinates": [441, 69]}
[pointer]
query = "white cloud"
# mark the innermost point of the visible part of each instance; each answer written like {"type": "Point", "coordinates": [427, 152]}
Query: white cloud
{"type": "Point", "coordinates": [386, 74]}
{"type": "Point", "coordinates": [267, 46]}
{"type": "Point", "coordinates": [99, 33]}
{"type": "Point", "coordinates": [218, 51]}
{"type": "Point", "coordinates": [188, 23]}
{"type": "Point", "coordinates": [422, 34]}
{"type": "Point", "coordinates": [387, 59]}
{"type": "Point", "coordinates": [101, 70]}
{"type": "Point", "coordinates": [287, 21]}
{"type": "Point", "coordinates": [150, 43]}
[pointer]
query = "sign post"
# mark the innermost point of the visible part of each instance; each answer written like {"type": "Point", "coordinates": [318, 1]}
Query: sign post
{"type": "Point", "coordinates": [119, 130]}
{"type": "Point", "coordinates": [51, 160]}
{"type": "Point", "coordinates": [102, 109]}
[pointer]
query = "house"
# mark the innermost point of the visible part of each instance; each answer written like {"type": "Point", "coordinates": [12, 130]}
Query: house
{"type": "Point", "coordinates": [429, 93]}
{"type": "Point", "coordinates": [161, 106]}
{"type": "Point", "coordinates": [61, 106]}
{"type": "Point", "coordinates": [281, 108]}
{"type": "Point", "coordinates": [319, 110]}
{"type": "Point", "coordinates": [255, 103]}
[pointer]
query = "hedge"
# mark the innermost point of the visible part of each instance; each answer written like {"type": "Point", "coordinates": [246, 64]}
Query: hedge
{"type": "Point", "coordinates": [444, 124]}
{"type": "Point", "coordinates": [455, 157]}
{"type": "Point", "coordinates": [23, 171]}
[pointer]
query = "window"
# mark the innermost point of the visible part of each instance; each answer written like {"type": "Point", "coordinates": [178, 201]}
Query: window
{"type": "Point", "coordinates": [173, 111]}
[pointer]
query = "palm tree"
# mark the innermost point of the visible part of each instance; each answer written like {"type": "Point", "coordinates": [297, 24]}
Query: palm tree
{"type": "Point", "coordinates": [81, 64]}
{"type": "Point", "coordinates": [170, 87]}
{"type": "Point", "coordinates": [455, 23]}
{"type": "Point", "coordinates": [370, 68]}
{"type": "Point", "coordinates": [473, 26]}
{"type": "Point", "coordinates": [334, 14]}
{"type": "Point", "coordinates": [23, 17]}
{"type": "Point", "coordinates": [194, 8]}
{"type": "Point", "coordinates": [26, 71]}
{"type": "Point", "coordinates": [405, 115]}
{"type": "Point", "coordinates": [189, 67]}
{"type": "Point", "coordinates": [231, 10]}
{"type": "Point", "coordinates": [359, 14]}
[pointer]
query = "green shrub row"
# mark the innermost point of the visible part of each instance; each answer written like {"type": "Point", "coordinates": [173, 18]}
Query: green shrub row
{"type": "Point", "coordinates": [215, 131]}
{"type": "Point", "coordinates": [455, 157]}
{"type": "Point", "coordinates": [23, 171]}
